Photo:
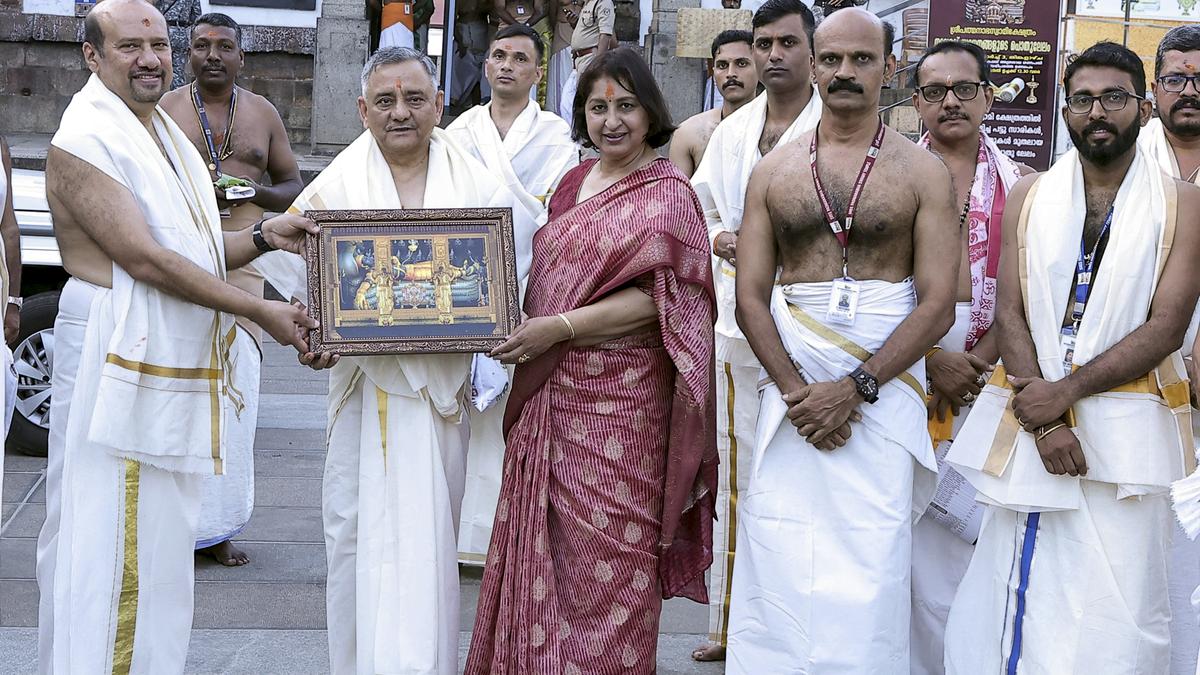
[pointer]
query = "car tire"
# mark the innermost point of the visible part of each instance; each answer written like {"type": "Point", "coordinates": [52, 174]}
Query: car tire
{"type": "Point", "coordinates": [33, 361]}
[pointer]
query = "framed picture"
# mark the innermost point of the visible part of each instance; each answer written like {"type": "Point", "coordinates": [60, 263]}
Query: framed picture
{"type": "Point", "coordinates": [412, 281]}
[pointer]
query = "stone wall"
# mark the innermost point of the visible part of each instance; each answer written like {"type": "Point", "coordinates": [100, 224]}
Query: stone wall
{"type": "Point", "coordinates": [41, 67]}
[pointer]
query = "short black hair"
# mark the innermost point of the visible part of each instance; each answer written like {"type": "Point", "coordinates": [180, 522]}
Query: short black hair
{"type": "Point", "coordinates": [774, 10]}
{"type": "Point", "coordinates": [1178, 39]}
{"type": "Point", "coordinates": [93, 32]}
{"type": "Point", "coordinates": [218, 20]}
{"type": "Point", "coordinates": [969, 48]}
{"type": "Point", "coordinates": [889, 37]}
{"type": "Point", "coordinates": [629, 70]}
{"type": "Point", "coordinates": [730, 36]}
{"type": "Point", "coordinates": [521, 30]}
{"type": "Point", "coordinates": [1108, 55]}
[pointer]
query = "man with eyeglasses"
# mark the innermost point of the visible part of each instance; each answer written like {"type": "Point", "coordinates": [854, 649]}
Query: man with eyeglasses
{"type": "Point", "coordinates": [1173, 140]}
{"type": "Point", "coordinates": [847, 261]}
{"type": "Point", "coordinates": [782, 53]}
{"type": "Point", "coordinates": [1077, 438]}
{"type": "Point", "coordinates": [952, 96]}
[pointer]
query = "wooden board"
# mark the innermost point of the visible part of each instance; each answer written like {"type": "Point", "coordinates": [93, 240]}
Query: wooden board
{"type": "Point", "coordinates": [697, 28]}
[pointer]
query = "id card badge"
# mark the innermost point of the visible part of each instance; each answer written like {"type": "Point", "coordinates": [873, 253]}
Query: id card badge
{"type": "Point", "coordinates": [1067, 340]}
{"type": "Point", "coordinates": [520, 10]}
{"type": "Point", "coordinates": [843, 301]}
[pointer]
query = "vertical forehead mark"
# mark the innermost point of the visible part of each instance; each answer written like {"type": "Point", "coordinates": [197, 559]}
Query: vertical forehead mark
{"type": "Point", "coordinates": [146, 22]}
{"type": "Point", "coordinates": [609, 91]}
{"type": "Point", "coordinates": [399, 84]}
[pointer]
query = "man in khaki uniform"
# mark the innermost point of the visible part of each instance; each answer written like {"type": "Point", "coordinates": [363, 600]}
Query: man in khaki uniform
{"type": "Point", "coordinates": [592, 37]}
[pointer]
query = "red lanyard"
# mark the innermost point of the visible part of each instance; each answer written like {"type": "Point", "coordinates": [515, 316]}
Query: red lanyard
{"type": "Point", "coordinates": [843, 232]}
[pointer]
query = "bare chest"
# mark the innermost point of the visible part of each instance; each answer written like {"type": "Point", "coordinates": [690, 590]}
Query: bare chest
{"type": "Point", "coordinates": [242, 147]}
{"type": "Point", "coordinates": [880, 233]}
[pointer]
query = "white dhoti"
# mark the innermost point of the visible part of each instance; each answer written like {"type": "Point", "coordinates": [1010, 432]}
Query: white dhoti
{"type": "Point", "coordinates": [485, 466]}
{"type": "Point", "coordinates": [115, 557]}
{"type": "Point", "coordinates": [561, 67]}
{"type": "Point", "coordinates": [1090, 587]}
{"type": "Point", "coordinates": [939, 556]}
{"type": "Point", "coordinates": [737, 417]}
{"type": "Point", "coordinates": [393, 481]}
{"type": "Point", "coordinates": [228, 499]}
{"type": "Point", "coordinates": [821, 582]}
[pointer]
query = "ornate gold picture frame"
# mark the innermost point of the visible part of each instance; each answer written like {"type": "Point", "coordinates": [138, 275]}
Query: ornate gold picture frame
{"type": "Point", "coordinates": [412, 281]}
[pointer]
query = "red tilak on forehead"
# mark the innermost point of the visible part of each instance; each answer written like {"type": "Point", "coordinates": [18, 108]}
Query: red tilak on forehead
{"type": "Point", "coordinates": [399, 84]}
{"type": "Point", "coordinates": [212, 34]}
{"type": "Point", "coordinates": [609, 92]}
{"type": "Point", "coordinates": [146, 22]}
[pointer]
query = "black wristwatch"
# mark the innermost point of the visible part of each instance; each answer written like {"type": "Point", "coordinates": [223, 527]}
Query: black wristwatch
{"type": "Point", "coordinates": [866, 385]}
{"type": "Point", "coordinates": [260, 242]}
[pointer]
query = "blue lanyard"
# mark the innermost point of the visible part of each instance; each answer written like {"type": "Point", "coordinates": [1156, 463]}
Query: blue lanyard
{"type": "Point", "coordinates": [1084, 267]}
{"type": "Point", "coordinates": [214, 156]}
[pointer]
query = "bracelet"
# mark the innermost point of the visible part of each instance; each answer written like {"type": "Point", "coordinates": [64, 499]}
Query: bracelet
{"type": "Point", "coordinates": [16, 300]}
{"type": "Point", "coordinates": [932, 350]}
{"type": "Point", "coordinates": [567, 321]}
{"type": "Point", "coordinates": [260, 242]}
{"type": "Point", "coordinates": [1044, 432]}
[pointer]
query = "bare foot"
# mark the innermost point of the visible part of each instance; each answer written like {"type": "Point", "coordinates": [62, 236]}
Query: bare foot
{"type": "Point", "coordinates": [226, 553]}
{"type": "Point", "coordinates": [709, 652]}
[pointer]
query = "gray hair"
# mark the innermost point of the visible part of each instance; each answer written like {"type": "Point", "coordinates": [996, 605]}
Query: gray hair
{"type": "Point", "coordinates": [389, 55]}
{"type": "Point", "coordinates": [1184, 38]}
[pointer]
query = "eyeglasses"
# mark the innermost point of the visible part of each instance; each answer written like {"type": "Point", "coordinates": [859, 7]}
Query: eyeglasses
{"type": "Point", "coordinates": [1177, 83]}
{"type": "Point", "coordinates": [963, 91]}
{"type": "Point", "coordinates": [1111, 101]}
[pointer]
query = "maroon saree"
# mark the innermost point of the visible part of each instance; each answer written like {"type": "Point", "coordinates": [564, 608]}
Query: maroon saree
{"type": "Point", "coordinates": [610, 468]}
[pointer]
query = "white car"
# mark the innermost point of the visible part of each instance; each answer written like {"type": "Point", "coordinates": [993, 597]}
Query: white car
{"type": "Point", "coordinates": [42, 277]}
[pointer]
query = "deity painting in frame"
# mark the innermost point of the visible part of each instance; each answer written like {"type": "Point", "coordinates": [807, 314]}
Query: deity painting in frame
{"type": "Point", "coordinates": [412, 281]}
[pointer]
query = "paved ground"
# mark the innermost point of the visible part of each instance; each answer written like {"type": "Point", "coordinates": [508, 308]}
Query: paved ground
{"type": "Point", "coordinates": [269, 616]}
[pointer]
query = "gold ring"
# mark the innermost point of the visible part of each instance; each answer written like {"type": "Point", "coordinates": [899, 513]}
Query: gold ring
{"type": "Point", "coordinates": [523, 358]}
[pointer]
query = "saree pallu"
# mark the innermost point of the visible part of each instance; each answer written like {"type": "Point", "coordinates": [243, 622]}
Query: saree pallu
{"type": "Point", "coordinates": [606, 503]}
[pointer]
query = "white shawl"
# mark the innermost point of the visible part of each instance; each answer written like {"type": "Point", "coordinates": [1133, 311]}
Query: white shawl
{"type": "Point", "coordinates": [166, 374]}
{"type": "Point", "coordinates": [721, 180]}
{"type": "Point", "coordinates": [1132, 439]}
{"type": "Point", "coordinates": [359, 178]}
{"type": "Point", "coordinates": [530, 159]}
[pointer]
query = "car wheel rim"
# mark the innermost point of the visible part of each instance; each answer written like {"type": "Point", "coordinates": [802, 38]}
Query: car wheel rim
{"type": "Point", "coordinates": [33, 362]}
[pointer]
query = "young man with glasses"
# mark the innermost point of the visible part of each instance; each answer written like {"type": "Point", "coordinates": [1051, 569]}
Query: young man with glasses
{"type": "Point", "coordinates": [953, 93]}
{"type": "Point", "coordinates": [1076, 445]}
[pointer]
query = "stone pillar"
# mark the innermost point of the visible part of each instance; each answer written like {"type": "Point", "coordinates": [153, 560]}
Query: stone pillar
{"type": "Point", "coordinates": [681, 80]}
{"type": "Point", "coordinates": [341, 51]}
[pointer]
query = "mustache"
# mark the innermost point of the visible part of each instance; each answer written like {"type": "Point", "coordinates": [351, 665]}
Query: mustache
{"type": "Point", "coordinates": [844, 85]}
{"type": "Point", "coordinates": [1099, 125]}
{"type": "Point", "coordinates": [946, 117]}
{"type": "Point", "coordinates": [1185, 102]}
{"type": "Point", "coordinates": [146, 71]}
{"type": "Point", "coordinates": [731, 82]}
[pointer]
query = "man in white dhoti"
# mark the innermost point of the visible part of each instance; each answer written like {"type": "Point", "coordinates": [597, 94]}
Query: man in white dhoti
{"type": "Point", "coordinates": [734, 74]}
{"type": "Point", "coordinates": [528, 150]}
{"type": "Point", "coordinates": [397, 428]}
{"type": "Point", "coordinates": [1070, 573]}
{"type": "Point", "coordinates": [952, 96]}
{"type": "Point", "coordinates": [209, 111]}
{"type": "Point", "coordinates": [821, 581]}
{"type": "Point", "coordinates": [145, 378]}
{"type": "Point", "coordinates": [783, 62]}
{"type": "Point", "coordinates": [1173, 140]}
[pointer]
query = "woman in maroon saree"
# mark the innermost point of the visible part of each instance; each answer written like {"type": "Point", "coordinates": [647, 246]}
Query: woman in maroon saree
{"type": "Point", "coordinates": [606, 504]}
